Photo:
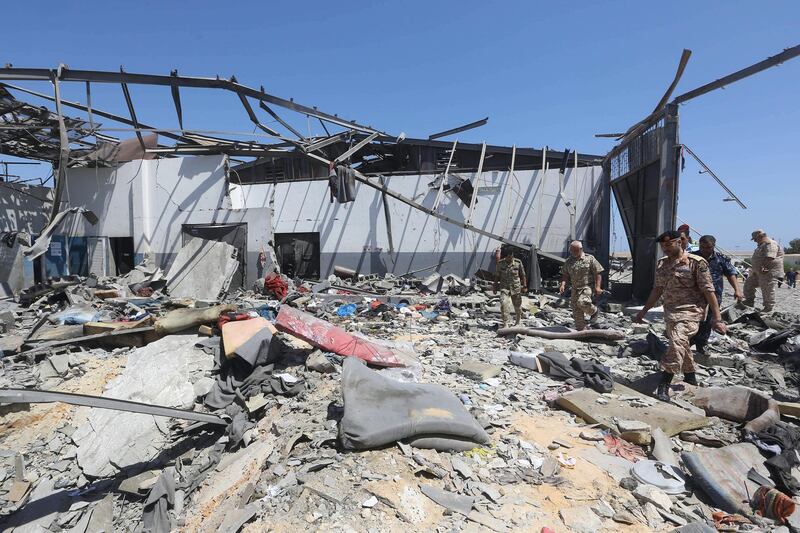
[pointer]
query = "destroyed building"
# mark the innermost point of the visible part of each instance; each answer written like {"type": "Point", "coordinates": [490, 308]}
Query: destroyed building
{"type": "Point", "coordinates": [144, 384]}
{"type": "Point", "coordinates": [539, 198]}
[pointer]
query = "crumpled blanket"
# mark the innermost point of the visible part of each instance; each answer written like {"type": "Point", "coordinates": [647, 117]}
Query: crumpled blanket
{"type": "Point", "coordinates": [245, 377]}
{"type": "Point", "coordinates": [275, 285]}
{"type": "Point", "coordinates": [155, 518]}
{"type": "Point", "coordinates": [592, 373]}
{"type": "Point", "coordinates": [379, 410]}
{"type": "Point", "coordinates": [624, 449]}
{"type": "Point", "coordinates": [783, 440]}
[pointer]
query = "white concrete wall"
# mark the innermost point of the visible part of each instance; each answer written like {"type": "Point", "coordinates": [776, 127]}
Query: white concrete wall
{"type": "Point", "coordinates": [151, 200]}
{"type": "Point", "coordinates": [525, 207]}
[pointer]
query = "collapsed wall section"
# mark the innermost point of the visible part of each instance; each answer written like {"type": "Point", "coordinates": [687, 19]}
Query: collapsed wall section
{"type": "Point", "coordinates": [525, 206]}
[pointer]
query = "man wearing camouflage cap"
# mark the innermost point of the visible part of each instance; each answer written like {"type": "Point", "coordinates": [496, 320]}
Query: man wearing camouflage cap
{"type": "Point", "coordinates": [683, 279]}
{"type": "Point", "coordinates": [766, 269]}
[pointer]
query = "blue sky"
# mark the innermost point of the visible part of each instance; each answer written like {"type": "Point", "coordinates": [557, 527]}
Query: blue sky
{"type": "Point", "coordinates": [545, 73]}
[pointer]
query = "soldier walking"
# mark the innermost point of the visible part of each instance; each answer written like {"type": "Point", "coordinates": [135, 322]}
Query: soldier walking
{"type": "Point", "coordinates": [767, 268]}
{"type": "Point", "coordinates": [584, 273]}
{"type": "Point", "coordinates": [511, 280]}
{"type": "Point", "coordinates": [683, 279]}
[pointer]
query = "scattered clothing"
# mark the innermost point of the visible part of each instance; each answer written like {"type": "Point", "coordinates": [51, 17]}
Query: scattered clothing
{"type": "Point", "coordinates": [590, 373]}
{"type": "Point", "coordinates": [772, 503]}
{"type": "Point", "coordinates": [342, 184]}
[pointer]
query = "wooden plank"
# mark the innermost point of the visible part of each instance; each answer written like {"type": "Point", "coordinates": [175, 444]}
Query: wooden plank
{"type": "Point", "coordinates": [670, 418]}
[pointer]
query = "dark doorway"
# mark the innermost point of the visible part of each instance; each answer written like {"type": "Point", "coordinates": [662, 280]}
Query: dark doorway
{"type": "Point", "coordinates": [122, 251]}
{"type": "Point", "coordinates": [298, 254]}
{"type": "Point", "coordinates": [233, 234]}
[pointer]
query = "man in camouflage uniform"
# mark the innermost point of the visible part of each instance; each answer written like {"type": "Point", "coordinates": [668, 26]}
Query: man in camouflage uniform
{"type": "Point", "coordinates": [511, 280]}
{"type": "Point", "coordinates": [767, 268]}
{"type": "Point", "coordinates": [683, 279]}
{"type": "Point", "coordinates": [584, 272]}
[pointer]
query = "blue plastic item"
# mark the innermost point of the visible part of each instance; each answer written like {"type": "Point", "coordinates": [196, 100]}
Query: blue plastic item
{"type": "Point", "coordinates": [346, 310]}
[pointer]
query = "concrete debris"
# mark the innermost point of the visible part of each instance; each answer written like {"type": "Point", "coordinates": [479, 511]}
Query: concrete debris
{"type": "Point", "coordinates": [452, 426]}
{"type": "Point", "coordinates": [161, 373]}
{"type": "Point", "coordinates": [202, 270]}
{"type": "Point", "coordinates": [581, 519]}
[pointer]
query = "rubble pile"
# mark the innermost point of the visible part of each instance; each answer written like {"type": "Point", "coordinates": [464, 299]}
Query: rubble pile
{"type": "Point", "coordinates": [366, 403]}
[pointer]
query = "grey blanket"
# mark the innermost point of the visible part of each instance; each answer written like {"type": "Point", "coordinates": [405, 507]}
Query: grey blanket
{"type": "Point", "coordinates": [379, 411]}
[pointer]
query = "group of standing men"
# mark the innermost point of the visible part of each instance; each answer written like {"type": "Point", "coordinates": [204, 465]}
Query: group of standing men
{"type": "Point", "coordinates": [691, 286]}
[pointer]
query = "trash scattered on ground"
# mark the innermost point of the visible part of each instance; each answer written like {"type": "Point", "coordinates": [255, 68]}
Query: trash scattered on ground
{"type": "Point", "coordinates": [376, 404]}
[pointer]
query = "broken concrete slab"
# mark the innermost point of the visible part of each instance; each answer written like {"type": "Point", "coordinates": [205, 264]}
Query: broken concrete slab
{"type": "Point", "coordinates": [581, 519]}
{"type": "Point", "coordinates": [670, 418]}
{"type": "Point", "coordinates": [449, 500]}
{"type": "Point", "coordinates": [477, 370]}
{"type": "Point", "coordinates": [160, 373]}
{"type": "Point", "coordinates": [202, 270]}
{"type": "Point", "coordinates": [317, 362]}
{"type": "Point", "coordinates": [44, 504]}
{"type": "Point", "coordinates": [739, 404]}
{"type": "Point", "coordinates": [616, 467]}
{"type": "Point", "coordinates": [488, 521]}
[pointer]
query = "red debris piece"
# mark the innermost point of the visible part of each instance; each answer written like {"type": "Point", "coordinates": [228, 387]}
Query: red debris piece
{"type": "Point", "coordinates": [275, 285]}
{"type": "Point", "coordinates": [324, 335]}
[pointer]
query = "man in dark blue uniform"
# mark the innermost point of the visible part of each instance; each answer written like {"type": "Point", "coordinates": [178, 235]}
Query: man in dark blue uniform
{"type": "Point", "coordinates": [719, 266]}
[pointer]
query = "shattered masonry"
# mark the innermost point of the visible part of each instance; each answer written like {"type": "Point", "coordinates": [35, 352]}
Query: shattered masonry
{"type": "Point", "coordinates": [251, 335]}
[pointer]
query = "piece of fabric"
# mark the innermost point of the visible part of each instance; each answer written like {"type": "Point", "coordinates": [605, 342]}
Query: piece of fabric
{"type": "Point", "coordinates": [155, 515]}
{"type": "Point", "coordinates": [558, 365]}
{"type": "Point", "coordinates": [772, 503]}
{"type": "Point", "coordinates": [379, 410]}
{"type": "Point", "coordinates": [246, 378]}
{"type": "Point", "coordinates": [776, 340]}
{"type": "Point", "coordinates": [591, 373]}
{"type": "Point", "coordinates": [624, 449]}
{"type": "Point", "coordinates": [509, 300]}
{"type": "Point", "coordinates": [276, 285]}
{"type": "Point", "coordinates": [679, 355]}
{"type": "Point", "coordinates": [595, 375]}
{"type": "Point", "coordinates": [684, 281]}
{"type": "Point", "coordinates": [581, 303]}
{"type": "Point", "coordinates": [783, 440]}
{"type": "Point", "coordinates": [345, 184]}
{"type": "Point", "coordinates": [582, 271]}
{"type": "Point", "coordinates": [725, 521]}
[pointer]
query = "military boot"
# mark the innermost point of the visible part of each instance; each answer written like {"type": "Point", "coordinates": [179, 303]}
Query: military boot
{"type": "Point", "coordinates": [663, 388]}
{"type": "Point", "coordinates": [690, 378]}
